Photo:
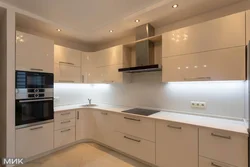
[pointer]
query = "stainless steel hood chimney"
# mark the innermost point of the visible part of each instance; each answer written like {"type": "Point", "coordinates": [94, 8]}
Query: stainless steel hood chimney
{"type": "Point", "coordinates": [144, 51]}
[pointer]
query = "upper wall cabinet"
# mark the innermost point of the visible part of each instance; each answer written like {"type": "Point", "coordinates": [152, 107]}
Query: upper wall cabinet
{"type": "Point", "coordinates": [216, 34]}
{"type": "Point", "coordinates": [247, 26]}
{"type": "Point", "coordinates": [224, 64]}
{"type": "Point", "coordinates": [67, 67]}
{"type": "Point", "coordinates": [34, 53]}
{"type": "Point", "coordinates": [67, 56]}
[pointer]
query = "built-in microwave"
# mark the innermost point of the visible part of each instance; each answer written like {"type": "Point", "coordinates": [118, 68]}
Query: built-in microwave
{"type": "Point", "coordinates": [34, 98]}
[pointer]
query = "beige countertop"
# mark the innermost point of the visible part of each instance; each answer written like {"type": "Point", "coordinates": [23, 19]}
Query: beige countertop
{"type": "Point", "coordinates": [238, 126]}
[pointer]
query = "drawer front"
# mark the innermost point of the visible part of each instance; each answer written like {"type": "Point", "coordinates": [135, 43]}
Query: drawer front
{"type": "Point", "coordinates": [139, 148]}
{"type": "Point", "coordinates": [64, 136]}
{"type": "Point", "coordinates": [136, 126]}
{"type": "Point", "coordinates": [204, 162]}
{"type": "Point", "coordinates": [224, 146]}
{"type": "Point", "coordinates": [34, 140]}
{"type": "Point", "coordinates": [68, 114]}
{"type": "Point", "coordinates": [177, 142]}
{"type": "Point", "coordinates": [64, 123]}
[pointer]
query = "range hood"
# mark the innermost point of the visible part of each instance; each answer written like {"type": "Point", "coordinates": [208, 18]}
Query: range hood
{"type": "Point", "coordinates": [144, 51]}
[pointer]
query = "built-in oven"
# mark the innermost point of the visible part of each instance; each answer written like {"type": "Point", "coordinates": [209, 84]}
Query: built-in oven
{"type": "Point", "coordinates": [34, 98]}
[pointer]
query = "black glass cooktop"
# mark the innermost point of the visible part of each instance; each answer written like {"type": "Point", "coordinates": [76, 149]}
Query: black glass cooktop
{"type": "Point", "coordinates": [141, 111]}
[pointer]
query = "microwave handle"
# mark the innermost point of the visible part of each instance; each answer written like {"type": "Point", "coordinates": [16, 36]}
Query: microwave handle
{"type": "Point", "coordinates": [25, 101]}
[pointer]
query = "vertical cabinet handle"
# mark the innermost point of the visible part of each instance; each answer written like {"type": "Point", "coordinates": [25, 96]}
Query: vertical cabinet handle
{"type": "Point", "coordinates": [83, 79]}
{"type": "Point", "coordinates": [77, 115]}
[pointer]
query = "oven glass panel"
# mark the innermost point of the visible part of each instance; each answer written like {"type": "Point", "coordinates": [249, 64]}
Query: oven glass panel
{"type": "Point", "coordinates": [33, 110]}
{"type": "Point", "coordinates": [26, 79]}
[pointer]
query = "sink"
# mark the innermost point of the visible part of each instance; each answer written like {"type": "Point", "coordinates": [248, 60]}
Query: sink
{"type": "Point", "coordinates": [89, 105]}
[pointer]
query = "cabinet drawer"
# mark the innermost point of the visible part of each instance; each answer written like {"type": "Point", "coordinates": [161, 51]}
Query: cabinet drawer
{"type": "Point", "coordinates": [139, 148]}
{"type": "Point", "coordinates": [34, 140]}
{"type": "Point", "coordinates": [223, 146]}
{"type": "Point", "coordinates": [65, 123]}
{"type": "Point", "coordinates": [177, 142]}
{"type": "Point", "coordinates": [64, 136]}
{"type": "Point", "coordinates": [205, 162]}
{"type": "Point", "coordinates": [136, 126]}
{"type": "Point", "coordinates": [68, 114]}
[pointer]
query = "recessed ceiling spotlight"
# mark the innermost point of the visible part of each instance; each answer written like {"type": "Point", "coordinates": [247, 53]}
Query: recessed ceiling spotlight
{"type": "Point", "coordinates": [137, 20]}
{"type": "Point", "coordinates": [111, 31]}
{"type": "Point", "coordinates": [175, 6]}
{"type": "Point", "coordinates": [58, 30]}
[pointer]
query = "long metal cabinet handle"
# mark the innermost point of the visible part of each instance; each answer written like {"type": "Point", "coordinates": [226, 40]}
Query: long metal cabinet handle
{"type": "Point", "coordinates": [77, 115]}
{"type": "Point", "coordinates": [36, 69]}
{"type": "Point", "coordinates": [65, 122]}
{"type": "Point", "coordinates": [82, 78]}
{"type": "Point", "coordinates": [221, 136]}
{"type": "Point", "coordinates": [174, 127]}
{"type": "Point", "coordinates": [132, 139]}
{"type": "Point", "coordinates": [66, 81]}
{"type": "Point", "coordinates": [65, 113]}
{"type": "Point", "coordinates": [214, 164]}
{"type": "Point", "coordinates": [197, 78]}
{"type": "Point", "coordinates": [133, 119]}
{"type": "Point", "coordinates": [66, 63]}
{"type": "Point", "coordinates": [66, 130]}
{"type": "Point", "coordinates": [39, 127]}
{"type": "Point", "coordinates": [104, 113]}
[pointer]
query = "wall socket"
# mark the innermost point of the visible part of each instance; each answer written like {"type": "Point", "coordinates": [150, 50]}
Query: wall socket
{"type": "Point", "coordinates": [198, 104]}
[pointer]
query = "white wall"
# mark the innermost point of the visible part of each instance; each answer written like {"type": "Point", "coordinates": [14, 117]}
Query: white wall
{"type": "Point", "coordinates": [146, 90]}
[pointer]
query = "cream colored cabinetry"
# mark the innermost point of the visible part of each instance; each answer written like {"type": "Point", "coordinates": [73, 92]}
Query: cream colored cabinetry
{"type": "Point", "coordinates": [34, 53]}
{"type": "Point", "coordinates": [205, 162]}
{"type": "Point", "coordinates": [67, 65]}
{"type": "Point", "coordinates": [176, 144]}
{"type": "Point", "coordinates": [84, 124]}
{"type": "Point", "coordinates": [216, 34]}
{"type": "Point", "coordinates": [226, 147]}
{"type": "Point", "coordinates": [224, 64]}
{"type": "Point", "coordinates": [247, 26]}
{"type": "Point", "coordinates": [34, 140]}
{"type": "Point", "coordinates": [64, 128]}
{"type": "Point", "coordinates": [104, 127]}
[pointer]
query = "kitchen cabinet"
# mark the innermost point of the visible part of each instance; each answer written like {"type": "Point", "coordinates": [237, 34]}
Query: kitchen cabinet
{"type": "Point", "coordinates": [224, 64]}
{"type": "Point", "coordinates": [64, 136]}
{"type": "Point", "coordinates": [223, 146]}
{"type": "Point", "coordinates": [104, 127]}
{"type": "Point", "coordinates": [70, 74]}
{"type": "Point", "coordinates": [67, 56]}
{"type": "Point", "coordinates": [34, 140]}
{"type": "Point", "coordinates": [247, 26]}
{"type": "Point", "coordinates": [176, 144]}
{"type": "Point", "coordinates": [205, 162]}
{"type": "Point", "coordinates": [110, 74]}
{"type": "Point", "coordinates": [225, 32]}
{"type": "Point", "coordinates": [84, 124]}
{"type": "Point", "coordinates": [135, 126]}
{"type": "Point", "coordinates": [34, 53]}
{"type": "Point", "coordinates": [62, 115]}
{"type": "Point", "coordinates": [136, 147]}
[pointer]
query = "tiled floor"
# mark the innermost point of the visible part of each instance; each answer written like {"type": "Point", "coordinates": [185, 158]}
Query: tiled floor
{"type": "Point", "coordinates": [85, 155]}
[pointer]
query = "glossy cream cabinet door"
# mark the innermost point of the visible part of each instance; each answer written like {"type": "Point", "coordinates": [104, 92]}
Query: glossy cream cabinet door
{"type": "Point", "coordinates": [247, 26]}
{"type": "Point", "coordinates": [176, 145]}
{"type": "Point", "coordinates": [67, 56]}
{"type": "Point", "coordinates": [110, 56]}
{"type": "Point", "coordinates": [64, 136]}
{"type": "Point", "coordinates": [84, 124]}
{"type": "Point", "coordinates": [225, 64]}
{"type": "Point", "coordinates": [225, 32]}
{"type": "Point", "coordinates": [34, 140]}
{"type": "Point", "coordinates": [69, 74]}
{"type": "Point", "coordinates": [110, 74]}
{"type": "Point", "coordinates": [205, 162]}
{"type": "Point", "coordinates": [34, 53]}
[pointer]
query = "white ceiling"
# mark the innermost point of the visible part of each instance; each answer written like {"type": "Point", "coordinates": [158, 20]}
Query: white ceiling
{"type": "Point", "coordinates": [91, 20]}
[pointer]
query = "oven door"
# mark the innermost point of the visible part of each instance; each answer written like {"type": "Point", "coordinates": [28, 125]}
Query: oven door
{"type": "Point", "coordinates": [26, 79]}
{"type": "Point", "coordinates": [30, 111]}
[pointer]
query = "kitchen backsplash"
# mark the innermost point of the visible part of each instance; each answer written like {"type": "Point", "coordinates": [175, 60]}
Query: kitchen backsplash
{"type": "Point", "coordinates": [146, 90]}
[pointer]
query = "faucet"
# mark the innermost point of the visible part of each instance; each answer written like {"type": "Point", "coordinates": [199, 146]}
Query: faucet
{"type": "Point", "coordinates": [89, 101]}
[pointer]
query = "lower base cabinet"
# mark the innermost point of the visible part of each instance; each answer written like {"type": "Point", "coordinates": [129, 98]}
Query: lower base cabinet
{"type": "Point", "coordinates": [205, 162]}
{"type": "Point", "coordinates": [137, 147]}
{"type": "Point", "coordinates": [64, 136]}
{"type": "Point", "coordinates": [176, 145]}
{"type": "Point", "coordinates": [34, 140]}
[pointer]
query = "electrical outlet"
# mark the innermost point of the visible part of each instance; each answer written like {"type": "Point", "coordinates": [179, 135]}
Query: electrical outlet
{"type": "Point", "coordinates": [198, 104]}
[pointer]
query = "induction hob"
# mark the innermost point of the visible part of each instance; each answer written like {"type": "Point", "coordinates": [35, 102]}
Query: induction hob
{"type": "Point", "coordinates": [141, 111]}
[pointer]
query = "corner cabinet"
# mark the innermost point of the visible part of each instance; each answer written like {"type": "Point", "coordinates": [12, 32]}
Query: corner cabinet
{"type": "Point", "coordinates": [34, 53]}
{"type": "Point", "coordinates": [213, 50]}
{"type": "Point", "coordinates": [67, 65]}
